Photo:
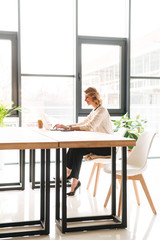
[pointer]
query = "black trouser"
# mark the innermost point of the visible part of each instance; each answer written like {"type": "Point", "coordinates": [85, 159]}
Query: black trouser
{"type": "Point", "coordinates": [75, 156]}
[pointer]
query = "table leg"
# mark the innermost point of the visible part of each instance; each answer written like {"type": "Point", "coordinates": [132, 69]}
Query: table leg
{"type": "Point", "coordinates": [113, 176]}
{"type": "Point", "coordinates": [45, 189]}
{"type": "Point", "coordinates": [42, 185]}
{"type": "Point", "coordinates": [32, 167]}
{"type": "Point", "coordinates": [64, 208]}
{"type": "Point", "coordinates": [22, 168]}
{"type": "Point", "coordinates": [47, 192]}
{"type": "Point", "coordinates": [124, 186]}
{"type": "Point", "coordinates": [30, 164]}
{"type": "Point", "coordinates": [57, 190]}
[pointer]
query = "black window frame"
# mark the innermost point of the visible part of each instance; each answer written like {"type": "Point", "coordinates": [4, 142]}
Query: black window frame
{"type": "Point", "coordinates": [122, 42]}
{"type": "Point", "coordinates": [13, 37]}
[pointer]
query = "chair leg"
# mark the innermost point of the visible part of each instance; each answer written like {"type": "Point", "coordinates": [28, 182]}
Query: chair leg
{"type": "Point", "coordinates": [120, 196]}
{"type": "Point", "coordinates": [119, 180]}
{"type": "Point", "coordinates": [144, 186]}
{"type": "Point", "coordinates": [97, 179]}
{"type": "Point", "coordinates": [108, 196]}
{"type": "Point", "coordinates": [136, 191]}
{"type": "Point", "coordinates": [91, 176]}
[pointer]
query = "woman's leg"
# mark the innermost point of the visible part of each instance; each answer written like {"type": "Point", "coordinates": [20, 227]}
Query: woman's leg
{"type": "Point", "coordinates": [74, 161]}
{"type": "Point", "coordinates": [75, 156]}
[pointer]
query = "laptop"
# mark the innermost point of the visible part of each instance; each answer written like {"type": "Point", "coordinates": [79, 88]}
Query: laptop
{"type": "Point", "coordinates": [45, 121]}
{"type": "Point", "coordinates": [47, 126]}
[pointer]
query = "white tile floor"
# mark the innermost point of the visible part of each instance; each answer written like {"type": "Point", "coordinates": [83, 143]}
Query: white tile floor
{"type": "Point", "coordinates": [142, 223]}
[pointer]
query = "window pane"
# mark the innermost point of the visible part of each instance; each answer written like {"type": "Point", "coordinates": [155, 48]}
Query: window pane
{"type": "Point", "coordinates": [8, 15]}
{"type": "Point", "coordinates": [52, 96]}
{"type": "Point", "coordinates": [102, 18]}
{"type": "Point", "coordinates": [101, 69]}
{"type": "Point", "coordinates": [145, 100]}
{"type": "Point", "coordinates": [145, 36]}
{"type": "Point", "coordinates": [5, 71]}
{"type": "Point", "coordinates": [47, 41]}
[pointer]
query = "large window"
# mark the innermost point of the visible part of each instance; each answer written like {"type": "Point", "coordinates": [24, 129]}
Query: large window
{"type": "Point", "coordinates": [8, 67]}
{"type": "Point", "coordinates": [101, 53]}
{"type": "Point", "coordinates": [145, 38]}
{"type": "Point", "coordinates": [104, 18]}
{"type": "Point", "coordinates": [5, 70]}
{"type": "Point", "coordinates": [47, 60]}
{"type": "Point", "coordinates": [47, 37]}
{"type": "Point", "coordinates": [8, 51]}
{"type": "Point", "coordinates": [47, 33]}
{"type": "Point", "coordinates": [145, 60]}
{"type": "Point", "coordinates": [145, 100]}
{"type": "Point", "coordinates": [53, 96]}
{"type": "Point", "coordinates": [101, 68]}
{"type": "Point", "coordinates": [101, 63]}
{"type": "Point", "coordinates": [9, 15]}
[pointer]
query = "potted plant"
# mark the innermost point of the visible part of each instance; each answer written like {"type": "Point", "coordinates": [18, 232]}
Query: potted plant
{"type": "Point", "coordinates": [135, 127]}
{"type": "Point", "coordinates": [6, 110]}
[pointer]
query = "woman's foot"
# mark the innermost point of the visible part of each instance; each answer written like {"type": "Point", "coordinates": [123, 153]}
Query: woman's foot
{"type": "Point", "coordinates": [75, 185]}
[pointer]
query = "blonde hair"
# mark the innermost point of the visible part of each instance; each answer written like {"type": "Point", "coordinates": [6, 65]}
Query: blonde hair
{"type": "Point", "coordinates": [91, 91]}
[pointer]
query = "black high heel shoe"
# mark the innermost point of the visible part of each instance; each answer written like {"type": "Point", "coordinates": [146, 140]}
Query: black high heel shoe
{"type": "Point", "coordinates": [73, 193]}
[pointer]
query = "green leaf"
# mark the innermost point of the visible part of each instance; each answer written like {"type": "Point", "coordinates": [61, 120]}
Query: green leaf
{"type": "Point", "coordinates": [6, 110]}
{"type": "Point", "coordinates": [132, 135]}
{"type": "Point", "coordinates": [137, 117]}
{"type": "Point", "coordinates": [135, 126]}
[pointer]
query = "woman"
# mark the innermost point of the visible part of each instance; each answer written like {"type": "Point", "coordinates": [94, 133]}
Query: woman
{"type": "Point", "coordinates": [97, 121]}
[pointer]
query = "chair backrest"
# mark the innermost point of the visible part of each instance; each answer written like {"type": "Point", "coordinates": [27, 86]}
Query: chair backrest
{"type": "Point", "coordinates": [139, 154]}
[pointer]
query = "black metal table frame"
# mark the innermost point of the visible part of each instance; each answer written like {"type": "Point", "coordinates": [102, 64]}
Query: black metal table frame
{"type": "Point", "coordinates": [117, 222]}
{"type": "Point", "coordinates": [44, 221]}
{"type": "Point", "coordinates": [32, 163]}
{"type": "Point", "coordinates": [32, 170]}
{"type": "Point", "coordinates": [17, 185]}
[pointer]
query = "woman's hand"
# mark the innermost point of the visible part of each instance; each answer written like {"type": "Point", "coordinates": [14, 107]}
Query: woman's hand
{"type": "Point", "coordinates": [57, 126]}
{"type": "Point", "coordinates": [67, 127]}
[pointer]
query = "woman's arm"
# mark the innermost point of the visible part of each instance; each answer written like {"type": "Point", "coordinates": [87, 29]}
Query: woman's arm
{"type": "Point", "coordinates": [75, 126]}
{"type": "Point", "coordinates": [67, 127]}
{"type": "Point", "coordinates": [87, 119]}
{"type": "Point", "coordinates": [94, 121]}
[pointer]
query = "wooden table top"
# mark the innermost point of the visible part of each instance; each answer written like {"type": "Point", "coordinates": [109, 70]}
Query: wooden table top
{"type": "Point", "coordinates": [24, 138]}
{"type": "Point", "coordinates": [75, 139]}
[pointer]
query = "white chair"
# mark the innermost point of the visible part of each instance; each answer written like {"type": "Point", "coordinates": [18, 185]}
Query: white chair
{"type": "Point", "coordinates": [99, 163]}
{"type": "Point", "coordinates": [136, 164]}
